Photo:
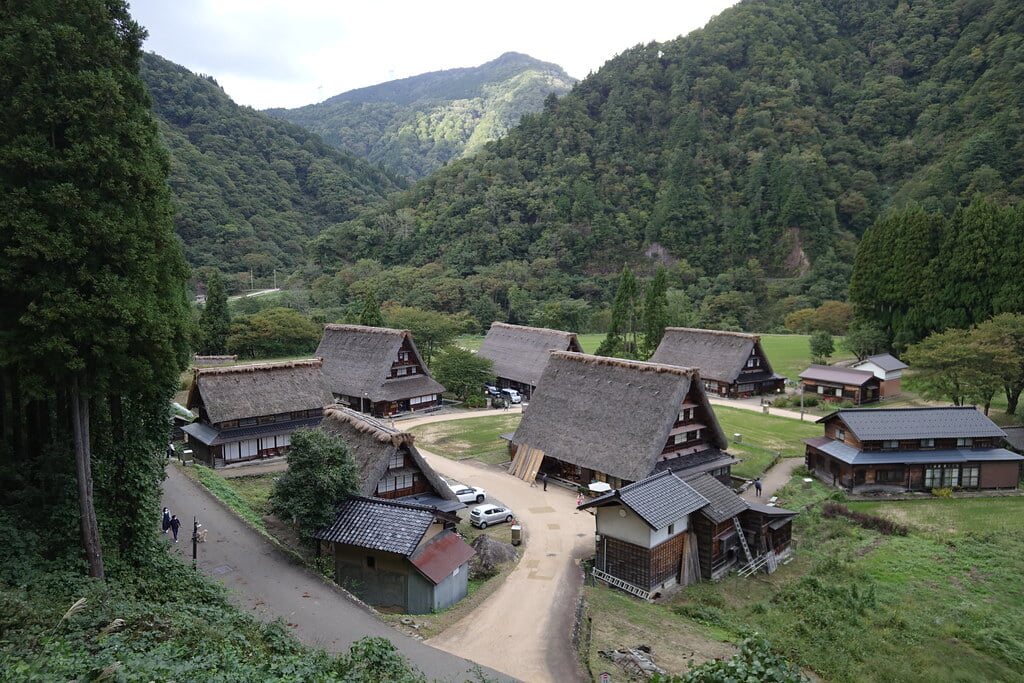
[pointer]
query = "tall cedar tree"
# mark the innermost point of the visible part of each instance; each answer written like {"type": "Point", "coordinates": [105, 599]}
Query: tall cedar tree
{"type": "Point", "coordinates": [370, 313]}
{"type": "Point", "coordinates": [655, 316]}
{"type": "Point", "coordinates": [93, 316]}
{"type": "Point", "coordinates": [215, 321]}
{"type": "Point", "coordinates": [621, 339]}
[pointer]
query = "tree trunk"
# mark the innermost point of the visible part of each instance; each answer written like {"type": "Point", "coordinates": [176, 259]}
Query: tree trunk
{"type": "Point", "coordinates": [83, 471]}
{"type": "Point", "coordinates": [1012, 397]}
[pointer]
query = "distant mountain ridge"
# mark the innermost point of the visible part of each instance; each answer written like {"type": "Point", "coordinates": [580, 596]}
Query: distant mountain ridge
{"type": "Point", "coordinates": [250, 189]}
{"type": "Point", "coordinates": [415, 125]}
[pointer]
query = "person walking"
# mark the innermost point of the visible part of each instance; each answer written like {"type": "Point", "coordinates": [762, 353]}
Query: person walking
{"type": "Point", "coordinates": [166, 522]}
{"type": "Point", "coordinates": [544, 480]}
{"type": "Point", "coordinates": [579, 499]}
{"type": "Point", "coordinates": [757, 487]}
{"type": "Point", "coordinates": [175, 525]}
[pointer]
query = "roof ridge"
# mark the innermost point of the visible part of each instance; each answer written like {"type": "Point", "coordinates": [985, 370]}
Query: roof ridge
{"type": "Point", "coordinates": [256, 367]}
{"type": "Point", "coordinates": [367, 425]}
{"type": "Point", "coordinates": [365, 328]}
{"type": "Point", "coordinates": [725, 333]}
{"type": "Point", "coordinates": [528, 328]}
{"type": "Point", "coordinates": [395, 503]}
{"type": "Point", "coordinates": [643, 366]}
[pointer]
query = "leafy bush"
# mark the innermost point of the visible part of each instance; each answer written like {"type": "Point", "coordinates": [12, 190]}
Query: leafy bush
{"type": "Point", "coordinates": [476, 401]}
{"type": "Point", "coordinates": [845, 404]}
{"type": "Point", "coordinates": [781, 402]}
{"type": "Point", "coordinates": [811, 400]}
{"type": "Point", "coordinates": [942, 493]}
{"type": "Point", "coordinates": [756, 661]}
{"type": "Point", "coordinates": [879, 524]}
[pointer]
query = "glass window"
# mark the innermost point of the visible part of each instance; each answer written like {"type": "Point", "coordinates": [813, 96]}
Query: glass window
{"type": "Point", "coordinates": [821, 390]}
{"type": "Point", "coordinates": [840, 434]}
{"type": "Point", "coordinates": [890, 444]}
{"type": "Point", "coordinates": [942, 476]}
{"type": "Point", "coordinates": [964, 443]}
{"type": "Point", "coordinates": [970, 476]}
{"type": "Point", "coordinates": [927, 443]}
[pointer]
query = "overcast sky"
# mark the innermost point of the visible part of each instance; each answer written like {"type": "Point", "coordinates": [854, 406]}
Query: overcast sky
{"type": "Point", "coordinates": [272, 53]}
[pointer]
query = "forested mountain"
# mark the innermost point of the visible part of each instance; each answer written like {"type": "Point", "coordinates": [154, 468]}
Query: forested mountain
{"type": "Point", "coordinates": [762, 145]}
{"type": "Point", "coordinates": [250, 190]}
{"type": "Point", "coordinates": [415, 125]}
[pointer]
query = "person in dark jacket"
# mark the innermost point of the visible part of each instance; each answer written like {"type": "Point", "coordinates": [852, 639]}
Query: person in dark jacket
{"type": "Point", "coordinates": [175, 525]}
{"type": "Point", "coordinates": [166, 523]}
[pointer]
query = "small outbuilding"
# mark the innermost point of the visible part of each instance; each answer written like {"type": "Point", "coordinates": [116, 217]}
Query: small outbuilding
{"type": "Point", "coordinates": [397, 555]}
{"type": "Point", "coordinates": [889, 371]}
{"type": "Point", "coordinates": [836, 384]}
{"type": "Point", "coordinates": [519, 354]}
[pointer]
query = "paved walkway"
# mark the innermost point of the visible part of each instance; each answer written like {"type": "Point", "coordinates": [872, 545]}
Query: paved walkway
{"type": "Point", "coordinates": [773, 480]}
{"type": "Point", "coordinates": [267, 583]}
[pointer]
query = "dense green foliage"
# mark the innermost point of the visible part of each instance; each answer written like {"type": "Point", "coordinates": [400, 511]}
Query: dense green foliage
{"type": "Point", "coordinates": [462, 372]}
{"type": "Point", "coordinates": [756, 662]}
{"type": "Point", "coordinates": [273, 333]}
{"type": "Point", "coordinates": [168, 623]}
{"type": "Point", "coordinates": [321, 473]}
{"type": "Point", "coordinates": [416, 125]}
{"type": "Point", "coordinates": [778, 133]}
{"type": "Point", "coordinates": [93, 314]}
{"type": "Point", "coordinates": [918, 272]}
{"type": "Point", "coordinates": [821, 346]}
{"type": "Point", "coordinates": [250, 189]}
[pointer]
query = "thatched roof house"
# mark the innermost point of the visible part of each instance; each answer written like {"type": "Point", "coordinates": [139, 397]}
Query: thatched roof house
{"type": "Point", "coordinates": [520, 354]}
{"type": "Point", "coordinates": [618, 421]}
{"type": "Point", "coordinates": [247, 411]}
{"type": "Point", "coordinates": [390, 466]}
{"type": "Point", "coordinates": [377, 370]}
{"type": "Point", "coordinates": [731, 363]}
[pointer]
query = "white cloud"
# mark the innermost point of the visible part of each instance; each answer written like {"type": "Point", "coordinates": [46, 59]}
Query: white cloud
{"type": "Point", "coordinates": [269, 53]}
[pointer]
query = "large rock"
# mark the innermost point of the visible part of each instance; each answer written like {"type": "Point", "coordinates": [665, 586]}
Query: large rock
{"type": "Point", "coordinates": [489, 554]}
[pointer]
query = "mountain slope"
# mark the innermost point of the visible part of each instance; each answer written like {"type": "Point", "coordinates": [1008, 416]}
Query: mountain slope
{"type": "Point", "coordinates": [414, 125]}
{"type": "Point", "coordinates": [250, 189]}
{"type": "Point", "coordinates": [777, 133]}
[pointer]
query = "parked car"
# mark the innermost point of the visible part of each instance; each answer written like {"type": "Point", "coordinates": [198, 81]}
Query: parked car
{"type": "Point", "coordinates": [492, 391]}
{"type": "Point", "coordinates": [484, 515]}
{"type": "Point", "coordinates": [511, 395]}
{"type": "Point", "coordinates": [467, 494]}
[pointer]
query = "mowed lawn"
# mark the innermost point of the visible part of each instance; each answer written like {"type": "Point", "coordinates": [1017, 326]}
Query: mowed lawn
{"type": "Point", "coordinates": [780, 434]}
{"type": "Point", "coordinates": [943, 516]}
{"type": "Point", "coordinates": [789, 354]}
{"type": "Point", "coordinates": [477, 438]}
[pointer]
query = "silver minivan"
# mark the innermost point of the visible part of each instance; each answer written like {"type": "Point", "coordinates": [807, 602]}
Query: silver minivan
{"type": "Point", "coordinates": [511, 395]}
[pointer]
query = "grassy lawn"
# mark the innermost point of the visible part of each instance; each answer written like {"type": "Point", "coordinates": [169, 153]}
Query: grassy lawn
{"type": "Point", "coordinates": [941, 604]}
{"type": "Point", "coordinates": [477, 438]}
{"type": "Point", "coordinates": [766, 432]}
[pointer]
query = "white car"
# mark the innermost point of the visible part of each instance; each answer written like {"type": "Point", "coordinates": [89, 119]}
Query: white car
{"type": "Point", "coordinates": [467, 494]}
{"type": "Point", "coordinates": [483, 515]}
{"type": "Point", "coordinates": [511, 395]}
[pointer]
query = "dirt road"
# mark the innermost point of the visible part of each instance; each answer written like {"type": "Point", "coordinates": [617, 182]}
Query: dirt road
{"type": "Point", "coordinates": [524, 628]}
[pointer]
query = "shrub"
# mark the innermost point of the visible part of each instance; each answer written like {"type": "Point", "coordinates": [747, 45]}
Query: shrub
{"type": "Point", "coordinates": [756, 661]}
{"type": "Point", "coordinates": [780, 402]}
{"type": "Point", "coordinates": [811, 400]}
{"type": "Point", "coordinates": [879, 524]}
{"type": "Point", "coordinates": [845, 404]}
{"type": "Point", "coordinates": [942, 493]}
{"type": "Point", "coordinates": [476, 401]}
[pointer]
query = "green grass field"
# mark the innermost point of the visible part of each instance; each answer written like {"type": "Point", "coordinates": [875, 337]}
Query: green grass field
{"type": "Point", "coordinates": [789, 354]}
{"type": "Point", "coordinates": [943, 516]}
{"type": "Point", "coordinates": [476, 438]}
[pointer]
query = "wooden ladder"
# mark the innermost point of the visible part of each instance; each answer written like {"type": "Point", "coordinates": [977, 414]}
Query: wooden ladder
{"type": "Point", "coordinates": [743, 539]}
{"type": "Point", "coordinates": [619, 583]}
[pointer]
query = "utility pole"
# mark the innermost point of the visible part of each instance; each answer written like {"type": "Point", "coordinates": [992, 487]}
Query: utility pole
{"type": "Point", "coordinates": [195, 540]}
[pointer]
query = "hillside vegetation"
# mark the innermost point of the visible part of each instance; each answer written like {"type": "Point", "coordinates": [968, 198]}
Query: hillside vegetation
{"type": "Point", "coordinates": [250, 190]}
{"type": "Point", "coordinates": [761, 146]}
{"type": "Point", "coordinates": [416, 125]}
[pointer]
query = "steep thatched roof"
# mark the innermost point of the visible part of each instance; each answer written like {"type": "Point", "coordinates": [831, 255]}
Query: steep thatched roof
{"type": "Point", "coordinates": [521, 353]}
{"type": "Point", "coordinates": [372, 443]}
{"type": "Point", "coordinates": [242, 391]}
{"type": "Point", "coordinates": [718, 355]}
{"type": "Point", "coordinates": [608, 414]}
{"type": "Point", "coordinates": [357, 362]}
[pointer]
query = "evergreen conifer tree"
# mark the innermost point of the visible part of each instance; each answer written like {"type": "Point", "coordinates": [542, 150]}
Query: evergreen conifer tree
{"type": "Point", "coordinates": [655, 315]}
{"type": "Point", "coordinates": [370, 313]}
{"type": "Point", "coordinates": [215, 321]}
{"type": "Point", "coordinates": [92, 320]}
{"type": "Point", "coordinates": [621, 339]}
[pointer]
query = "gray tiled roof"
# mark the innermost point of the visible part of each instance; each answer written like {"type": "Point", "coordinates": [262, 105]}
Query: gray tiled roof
{"type": "Point", "coordinates": [852, 456]}
{"type": "Point", "coordinates": [379, 524]}
{"type": "Point", "coordinates": [723, 503]}
{"type": "Point", "coordinates": [885, 361]}
{"type": "Point", "coordinates": [659, 499]}
{"type": "Point", "coordinates": [831, 373]}
{"type": "Point", "coordinates": [917, 423]}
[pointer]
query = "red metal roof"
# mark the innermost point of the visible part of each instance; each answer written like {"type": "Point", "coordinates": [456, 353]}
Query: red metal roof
{"type": "Point", "coordinates": [442, 555]}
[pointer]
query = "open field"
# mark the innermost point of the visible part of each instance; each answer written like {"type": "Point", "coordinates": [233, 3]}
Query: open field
{"type": "Point", "coordinates": [941, 604]}
{"type": "Point", "coordinates": [476, 438]}
{"type": "Point", "coordinates": [769, 432]}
